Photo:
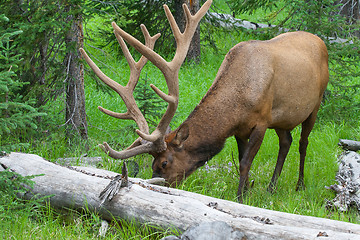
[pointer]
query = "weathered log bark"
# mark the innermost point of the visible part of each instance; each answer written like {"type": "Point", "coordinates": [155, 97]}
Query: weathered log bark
{"type": "Point", "coordinates": [348, 178]}
{"type": "Point", "coordinates": [166, 207]}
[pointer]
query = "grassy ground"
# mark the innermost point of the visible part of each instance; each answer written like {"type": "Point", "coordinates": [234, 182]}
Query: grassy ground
{"type": "Point", "coordinates": [218, 178]}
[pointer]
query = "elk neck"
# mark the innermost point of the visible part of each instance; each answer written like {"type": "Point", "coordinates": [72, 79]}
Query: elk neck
{"type": "Point", "coordinates": [218, 116]}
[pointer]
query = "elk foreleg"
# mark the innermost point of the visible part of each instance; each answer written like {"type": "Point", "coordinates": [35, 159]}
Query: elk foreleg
{"type": "Point", "coordinates": [306, 128]}
{"type": "Point", "coordinates": [285, 141]}
{"type": "Point", "coordinates": [241, 143]}
{"type": "Point", "coordinates": [251, 149]}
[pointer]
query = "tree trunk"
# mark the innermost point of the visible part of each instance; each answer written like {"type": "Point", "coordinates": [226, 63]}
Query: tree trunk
{"type": "Point", "coordinates": [75, 117]}
{"type": "Point", "coordinates": [194, 53]}
{"type": "Point", "coordinates": [351, 10]}
{"type": "Point", "coordinates": [167, 207]}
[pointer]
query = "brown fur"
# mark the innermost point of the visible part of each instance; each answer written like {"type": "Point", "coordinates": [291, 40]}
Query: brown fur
{"type": "Point", "coordinates": [275, 84]}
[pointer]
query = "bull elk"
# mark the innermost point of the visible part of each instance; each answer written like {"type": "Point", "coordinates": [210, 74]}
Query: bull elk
{"type": "Point", "coordinates": [276, 84]}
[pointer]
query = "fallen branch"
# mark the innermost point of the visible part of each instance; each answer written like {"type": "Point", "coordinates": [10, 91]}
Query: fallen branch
{"type": "Point", "coordinates": [227, 21]}
{"type": "Point", "coordinates": [147, 203]}
{"type": "Point", "coordinates": [349, 144]}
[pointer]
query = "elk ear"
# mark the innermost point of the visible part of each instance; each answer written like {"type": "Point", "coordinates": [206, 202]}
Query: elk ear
{"type": "Point", "coordinates": [181, 135]}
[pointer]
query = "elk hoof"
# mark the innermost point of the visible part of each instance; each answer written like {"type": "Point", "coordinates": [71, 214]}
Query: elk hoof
{"type": "Point", "coordinates": [271, 188]}
{"type": "Point", "coordinates": [240, 199]}
{"type": "Point", "coordinates": [300, 185]}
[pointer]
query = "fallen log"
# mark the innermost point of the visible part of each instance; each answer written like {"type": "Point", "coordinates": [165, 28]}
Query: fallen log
{"type": "Point", "coordinates": [80, 187]}
{"type": "Point", "coordinates": [348, 179]}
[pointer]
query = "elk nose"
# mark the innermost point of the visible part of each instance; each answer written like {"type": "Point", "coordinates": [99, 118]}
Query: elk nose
{"type": "Point", "coordinates": [155, 175]}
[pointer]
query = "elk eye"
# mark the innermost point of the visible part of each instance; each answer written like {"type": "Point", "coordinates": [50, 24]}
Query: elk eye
{"type": "Point", "coordinates": [164, 164]}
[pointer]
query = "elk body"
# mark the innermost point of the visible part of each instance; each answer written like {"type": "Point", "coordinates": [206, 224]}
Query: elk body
{"type": "Point", "coordinates": [275, 84]}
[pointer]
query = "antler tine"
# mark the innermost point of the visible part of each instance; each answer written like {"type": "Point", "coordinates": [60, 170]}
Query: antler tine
{"type": "Point", "coordinates": [130, 152]}
{"type": "Point", "coordinates": [136, 67]}
{"type": "Point", "coordinates": [149, 41]}
{"type": "Point", "coordinates": [140, 47]}
{"type": "Point", "coordinates": [122, 91]}
{"type": "Point", "coordinates": [126, 52]}
{"type": "Point", "coordinates": [183, 39]}
{"type": "Point", "coordinates": [108, 81]}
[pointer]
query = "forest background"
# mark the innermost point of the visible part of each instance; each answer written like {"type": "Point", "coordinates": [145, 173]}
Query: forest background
{"type": "Point", "coordinates": [49, 98]}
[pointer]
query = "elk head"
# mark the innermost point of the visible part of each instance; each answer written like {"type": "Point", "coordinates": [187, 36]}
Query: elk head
{"type": "Point", "coordinates": [175, 162]}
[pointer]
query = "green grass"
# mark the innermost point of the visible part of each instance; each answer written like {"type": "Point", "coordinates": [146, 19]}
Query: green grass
{"type": "Point", "coordinates": [42, 222]}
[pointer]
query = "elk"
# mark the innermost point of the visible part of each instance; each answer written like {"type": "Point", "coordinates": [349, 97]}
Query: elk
{"type": "Point", "coordinates": [276, 84]}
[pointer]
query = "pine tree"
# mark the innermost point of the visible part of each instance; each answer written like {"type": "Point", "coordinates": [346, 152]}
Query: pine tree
{"type": "Point", "coordinates": [16, 115]}
{"type": "Point", "coordinates": [52, 32]}
{"type": "Point", "coordinates": [149, 103]}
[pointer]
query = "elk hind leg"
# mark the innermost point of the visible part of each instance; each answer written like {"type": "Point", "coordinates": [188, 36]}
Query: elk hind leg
{"type": "Point", "coordinates": [251, 149]}
{"type": "Point", "coordinates": [306, 128]}
{"type": "Point", "coordinates": [285, 141]}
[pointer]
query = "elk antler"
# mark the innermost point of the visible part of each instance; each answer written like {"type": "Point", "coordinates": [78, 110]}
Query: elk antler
{"type": "Point", "coordinates": [170, 69]}
{"type": "Point", "coordinates": [126, 93]}
{"type": "Point", "coordinates": [154, 142]}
